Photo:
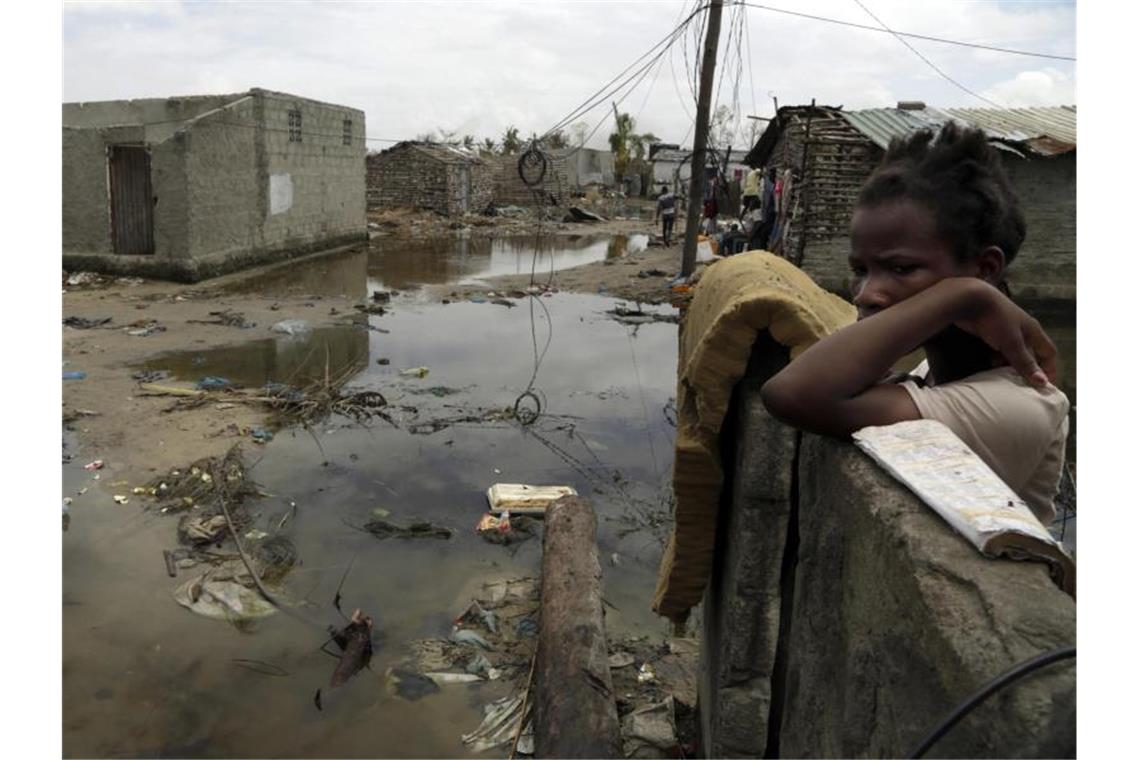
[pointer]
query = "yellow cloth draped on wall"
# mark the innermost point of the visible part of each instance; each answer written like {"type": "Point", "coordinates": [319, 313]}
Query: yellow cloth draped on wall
{"type": "Point", "coordinates": [735, 299]}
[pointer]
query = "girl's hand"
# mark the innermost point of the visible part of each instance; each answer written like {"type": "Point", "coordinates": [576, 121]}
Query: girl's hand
{"type": "Point", "coordinates": [1007, 329]}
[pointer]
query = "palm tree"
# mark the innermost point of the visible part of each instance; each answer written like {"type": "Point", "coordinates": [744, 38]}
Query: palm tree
{"type": "Point", "coordinates": [511, 141]}
{"type": "Point", "coordinates": [629, 147]}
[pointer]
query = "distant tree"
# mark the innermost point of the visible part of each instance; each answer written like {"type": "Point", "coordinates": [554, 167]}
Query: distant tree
{"type": "Point", "coordinates": [629, 147]}
{"type": "Point", "coordinates": [722, 127]}
{"type": "Point", "coordinates": [511, 143]}
{"type": "Point", "coordinates": [579, 131]}
{"type": "Point", "coordinates": [488, 145]}
{"type": "Point", "coordinates": [558, 140]}
{"type": "Point", "coordinates": [425, 137]}
{"type": "Point", "coordinates": [469, 142]}
{"type": "Point", "coordinates": [447, 136]}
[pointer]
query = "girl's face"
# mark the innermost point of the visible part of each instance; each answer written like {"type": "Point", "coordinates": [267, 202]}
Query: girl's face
{"type": "Point", "coordinates": [896, 251]}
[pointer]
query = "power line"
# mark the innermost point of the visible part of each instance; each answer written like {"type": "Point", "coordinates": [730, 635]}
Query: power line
{"type": "Point", "coordinates": [928, 62]}
{"type": "Point", "coordinates": [605, 93]}
{"type": "Point", "coordinates": [943, 40]}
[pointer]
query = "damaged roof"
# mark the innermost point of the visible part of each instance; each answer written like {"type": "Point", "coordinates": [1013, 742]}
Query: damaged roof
{"type": "Point", "coordinates": [1043, 131]}
{"type": "Point", "coordinates": [448, 154]}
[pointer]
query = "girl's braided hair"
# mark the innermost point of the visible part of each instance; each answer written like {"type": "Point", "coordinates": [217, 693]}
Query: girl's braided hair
{"type": "Point", "coordinates": [959, 177]}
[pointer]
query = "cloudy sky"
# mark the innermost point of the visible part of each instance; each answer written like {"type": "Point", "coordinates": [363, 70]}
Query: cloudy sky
{"type": "Point", "coordinates": [477, 67]}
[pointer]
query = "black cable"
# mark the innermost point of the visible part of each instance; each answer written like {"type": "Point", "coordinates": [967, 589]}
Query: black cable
{"type": "Point", "coordinates": [908, 34]}
{"type": "Point", "coordinates": [604, 93]}
{"type": "Point", "coordinates": [929, 62]}
{"type": "Point", "coordinates": [975, 699]}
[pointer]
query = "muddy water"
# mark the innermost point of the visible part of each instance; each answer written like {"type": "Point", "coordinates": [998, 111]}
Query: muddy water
{"type": "Point", "coordinates": [143, 676]}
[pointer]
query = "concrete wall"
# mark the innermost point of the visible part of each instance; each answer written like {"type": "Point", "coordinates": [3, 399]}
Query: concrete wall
{"type": "Point", "coordinates": [86, 204]}
{"type": "Point", "coordinates": [326, 176]}
{"type": "Point", "coordinates": [845, 619]}
{"type": "Point", "coordinates": [163, 116]}
{"type": "Point", "coordinates": [1046, 266]}
{"type": "Point", "coordinates": [586, 166]}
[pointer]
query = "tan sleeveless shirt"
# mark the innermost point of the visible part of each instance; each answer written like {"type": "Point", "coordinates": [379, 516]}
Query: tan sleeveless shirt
{"type": "Point", "coordinates": [1016, 429]}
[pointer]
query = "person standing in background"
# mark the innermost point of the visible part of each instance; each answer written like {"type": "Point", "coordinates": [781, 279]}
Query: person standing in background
{"type": "Point", "coordinates": [667, 211]}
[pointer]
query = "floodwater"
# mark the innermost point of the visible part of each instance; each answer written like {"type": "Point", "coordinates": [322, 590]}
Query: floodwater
{"type": "Point", "coordinates": [143, 676]}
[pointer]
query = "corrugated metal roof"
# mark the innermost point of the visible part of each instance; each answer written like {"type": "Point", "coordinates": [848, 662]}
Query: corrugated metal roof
{"type": "Point", "coordinates": [1024, 126]}
{"type": "Point", "coordinates": [1059, 123]}
{"type": "Point", "coordinates": [449, 154]}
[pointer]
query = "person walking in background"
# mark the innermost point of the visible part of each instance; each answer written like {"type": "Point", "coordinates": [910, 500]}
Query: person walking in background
{"type": "Point", "coordinates": [667, 211]}
{"type": "Point", "coordinates": [750, 198]}
{"type": "Point", "coordinates": [711, 208]}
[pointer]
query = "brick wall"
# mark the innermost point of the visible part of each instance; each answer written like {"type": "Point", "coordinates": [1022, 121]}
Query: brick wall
{"type": "Point", "coordinates": [406, 178]}
{"type": "Point", "coordinates": [510, 190]}
{"type": "Point", "coordinates": [409, 177]}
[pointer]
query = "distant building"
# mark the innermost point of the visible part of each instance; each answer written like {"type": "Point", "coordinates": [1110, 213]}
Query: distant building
{"type": "Point", "coordinates": [442, 178]}
{"type": "Point", "coordinates": [191, 187]}
{"type": "Point", "coordinates": [672, 166]}
{"type": "Point", "coordinates": [510, 190]}
{"type": "Point", "coordinates": [587, 166]}
{"type": "Point", "coordinates": [824, 154]}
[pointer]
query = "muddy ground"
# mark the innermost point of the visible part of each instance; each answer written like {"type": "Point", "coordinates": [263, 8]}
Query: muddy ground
{"type": "Point", "coordinates": [135, 434]}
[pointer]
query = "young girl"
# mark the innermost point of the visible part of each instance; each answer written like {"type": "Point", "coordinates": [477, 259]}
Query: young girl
{"type": "Point", "coordinates": [933, 231]}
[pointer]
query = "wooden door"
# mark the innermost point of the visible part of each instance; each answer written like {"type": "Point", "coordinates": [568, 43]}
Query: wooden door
{"type": "Point", "coordinates": [132, 202]}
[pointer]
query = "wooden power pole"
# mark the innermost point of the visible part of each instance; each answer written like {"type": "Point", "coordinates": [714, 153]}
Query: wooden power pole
{"type": "Point", "coordinates": [700, 138]}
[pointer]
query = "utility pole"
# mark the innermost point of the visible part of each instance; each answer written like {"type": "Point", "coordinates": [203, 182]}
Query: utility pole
{"type": "Point", "coordinates": [700, 138]}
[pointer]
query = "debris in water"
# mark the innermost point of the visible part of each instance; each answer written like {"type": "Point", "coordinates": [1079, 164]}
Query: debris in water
{"type": "Point", "coordinates": [420, 372]}
{"type": "Point", "coordinates": [650, 731]}
{"type": "Point", "coordinates": [621, 659]}
{"type": "Point", "coordinates": [76, 375]}
{"type": "Point", "coordinates": [645, 673]}
{"type": "Point", "coordinates": [83, 323]}
{"type": "Point", "coordinates": [520, 498]}
{"type": "Point", "coordinates": [411, 686]}
{"type": "Point", "coordinates": [222, 599]}
{"type": "Point", "coordinates": [213, 383]}
{"type": "Point", "coordinates": [501, 719]}
{"type": "Point", "coordinates": [420, 529]}
{"type": "Point", "coordinates": [226, 317]}
{"type": "Point", "coordinates": [292, 327]}
{"type": "Point", "coordinates": [96, 465]}
{"type": "Point", "coordinates": [120, 499]}
{"type": "Point", "coordinates": [467, 636]}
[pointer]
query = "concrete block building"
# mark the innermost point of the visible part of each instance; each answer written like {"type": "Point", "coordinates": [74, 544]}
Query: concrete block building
{"type": "Point", "coordinates": [190, 187]}
{"type": "Point", "coordinates": [442, 178]}
{"type": "Point", "coordinates": [823, 155]}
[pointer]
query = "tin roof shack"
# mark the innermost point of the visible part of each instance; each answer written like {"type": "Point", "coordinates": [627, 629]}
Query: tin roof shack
{"type": "Point", "coordinates": [828, 153]}
{"type": "Point", "coordinates": [510, 190]}
{"type": "Point", "coordinates": [191, 187]}
{"type": "Point", "coordinates": [674, 165]}
{"type": "Point", "coordinates": [442, 178]}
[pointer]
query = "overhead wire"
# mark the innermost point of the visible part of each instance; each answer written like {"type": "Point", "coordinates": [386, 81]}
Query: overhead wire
{"type": "Point", "coordinates": [943, 40]}
{"type": "Point", "coordinates": [929, 62]}
{"type": "Point", "coordinates": [607, 90]}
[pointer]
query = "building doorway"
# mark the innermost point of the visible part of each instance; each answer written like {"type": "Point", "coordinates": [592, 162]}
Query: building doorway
{"type": "Point", "coordinates": [132, 202]}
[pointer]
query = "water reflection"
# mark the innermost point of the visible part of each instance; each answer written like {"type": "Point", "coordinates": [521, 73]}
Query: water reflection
{"type": "Point", "coordinates": [406, 264]}
{"type": "Point", "coordinates": [605, 433]}
{"type": "Point", "coordinates": [337, 274]}
{"type": "Point", "coordinates": [297, 361]}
